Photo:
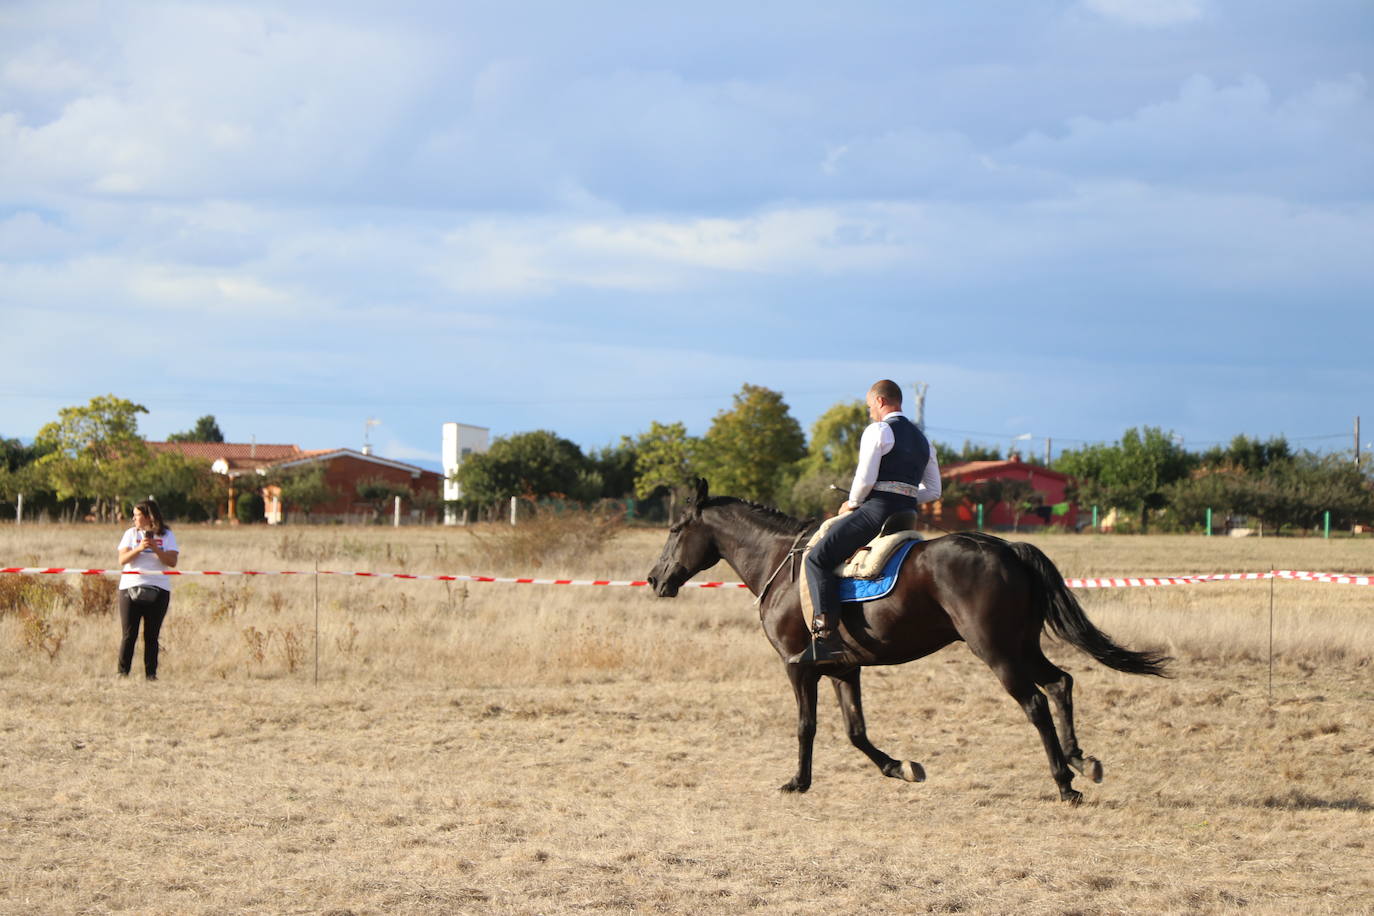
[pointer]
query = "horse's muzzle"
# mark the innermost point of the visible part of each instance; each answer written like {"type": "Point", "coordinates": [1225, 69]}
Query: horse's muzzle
{"type": "Point", "coordinates": [664, 586]}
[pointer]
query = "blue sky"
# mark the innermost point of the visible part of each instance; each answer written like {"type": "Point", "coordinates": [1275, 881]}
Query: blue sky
{"type": "Point", "coordinates": [1068, 218]}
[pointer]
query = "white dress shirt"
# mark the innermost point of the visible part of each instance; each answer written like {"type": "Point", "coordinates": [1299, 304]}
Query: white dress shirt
{"type": "Point", "coordinates": [876, 442]}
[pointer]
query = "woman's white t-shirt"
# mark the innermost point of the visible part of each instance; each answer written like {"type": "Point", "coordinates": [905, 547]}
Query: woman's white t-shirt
{"type": "Point", "coordinates": [146, 559]}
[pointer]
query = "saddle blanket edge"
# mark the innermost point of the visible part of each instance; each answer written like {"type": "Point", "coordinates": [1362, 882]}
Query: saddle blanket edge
{"type": "Point", "coordinates": [859, 590]}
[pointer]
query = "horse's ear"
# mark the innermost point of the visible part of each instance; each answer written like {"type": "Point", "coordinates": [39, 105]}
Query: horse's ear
{"type": "Point", "coordinates": [703, 491]}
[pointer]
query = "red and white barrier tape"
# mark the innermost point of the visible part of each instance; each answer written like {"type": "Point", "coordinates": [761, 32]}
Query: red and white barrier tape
{"type": "Point", "coordinates": [58, 570]}
{"type": "Point", "coordinates": [1135, 582]}
{"type": "Point", "coordinates": [1101, 582]}
{"type": "Point", "coordinates": [1338, 578]}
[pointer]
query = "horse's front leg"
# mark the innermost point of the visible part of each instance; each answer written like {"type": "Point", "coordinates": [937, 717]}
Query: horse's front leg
{"type": "Point", "coordinates": [849, 695]}
{"type": "Point", "coordinates": [804, 680]}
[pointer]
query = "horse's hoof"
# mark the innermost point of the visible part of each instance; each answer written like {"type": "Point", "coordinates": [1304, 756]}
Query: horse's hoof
{"type": "Point", "coordinates": [912, 771]}
{"type": "Point", "coordinates": [1072, 796]}
{"type": "Point", "coordinates": [793, 786]}
{"type": "Point", "coordinates": [1094, 769]}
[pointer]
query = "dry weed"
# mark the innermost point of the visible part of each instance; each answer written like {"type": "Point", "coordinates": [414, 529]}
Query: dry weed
{"type": "Point", "coordinates": [257, 642]}
{"type": "Point", "coordinates": [40, 633]}
{"type": "Point", "coordinates": [98, 596]}
{"type": "Point", "coordinates": [293, 643]}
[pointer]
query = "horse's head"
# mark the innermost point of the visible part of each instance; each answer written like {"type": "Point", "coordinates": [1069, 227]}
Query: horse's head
{"type": "Point", "coordinates": [691, 548]}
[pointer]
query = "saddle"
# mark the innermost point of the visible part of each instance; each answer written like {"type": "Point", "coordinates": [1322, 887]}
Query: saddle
{"type": "Point", "coordinates": [869, 561]}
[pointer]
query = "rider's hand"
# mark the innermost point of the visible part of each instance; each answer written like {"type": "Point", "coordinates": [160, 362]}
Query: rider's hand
{"type": "Point", "coordinates": [845, 508]}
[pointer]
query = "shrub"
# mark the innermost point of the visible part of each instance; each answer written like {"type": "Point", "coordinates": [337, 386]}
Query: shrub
{"type": "Point", "coordinates": [549, 537]}
{"type": "Point", "coordinates": [97, 596]}
{"type": "Point", "coordinates": [20, 593]}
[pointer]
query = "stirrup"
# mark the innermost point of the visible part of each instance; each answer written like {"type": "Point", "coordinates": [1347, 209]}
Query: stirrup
{"type": "Point", "coordinates": [821, 653]}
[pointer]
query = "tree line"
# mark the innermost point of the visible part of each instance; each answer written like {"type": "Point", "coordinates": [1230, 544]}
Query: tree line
{"type": "Point", "coordinates": [91, 460]}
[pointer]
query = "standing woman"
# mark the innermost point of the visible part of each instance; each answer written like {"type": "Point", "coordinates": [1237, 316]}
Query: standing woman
{"type": "Point", "coordinates": [148, 546]}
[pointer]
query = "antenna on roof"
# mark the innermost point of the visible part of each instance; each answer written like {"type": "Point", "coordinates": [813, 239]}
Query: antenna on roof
{"type": "Point", "coordinates": [367, 427]}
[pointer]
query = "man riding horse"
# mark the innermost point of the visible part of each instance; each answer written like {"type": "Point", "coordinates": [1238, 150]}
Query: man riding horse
{"type": "Point", "coordinates": [897, 472]}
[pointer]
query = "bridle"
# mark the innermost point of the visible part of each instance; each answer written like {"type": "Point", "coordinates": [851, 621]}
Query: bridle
{"type": "Point", "coordinates": [791, 556]}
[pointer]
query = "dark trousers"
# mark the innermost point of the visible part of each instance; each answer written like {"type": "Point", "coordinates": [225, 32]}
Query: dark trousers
{"type": "Point", "coordinates": [845, 536]}
{"type": "Point", "coordinates": [151, 614]}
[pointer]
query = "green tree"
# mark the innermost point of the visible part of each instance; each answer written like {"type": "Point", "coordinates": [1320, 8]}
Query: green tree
{"type": "Point", "coordinates": [834, 444]}
{"type": "Point", "coordinates": [615, 466]}
{"type": "Point", "coordinates": [749, 448]}
{"type": "Point", "coordinates": [20, 473]}
{"type": "Point", "coordinates": [205, 430]}
{"type": "Point", "coordinates": [1132, 475]}
{"type": "Point", "coordinates": [1297, 490]}
{"type": "Point", "coordinates": [948, 454]}
{"type": "Point", "coordinates": [534, 465]}
{"type": "Point", "coordinates": [1020, 497]}
{"type": "Point", "coordinates": [831, 458]}
{"type": "Point", "coordinates": [185, 488]}
{"type": "Point", "coordinates": [93, 452]}
{"type": "Point", "coordinates": [1246, 454]}
{"type": "Point", "coordinates": [665, 460]}
{"type": "Point", "coordinates": [380, 494]}
{"type": "Point", "coordinates": [303, 488]}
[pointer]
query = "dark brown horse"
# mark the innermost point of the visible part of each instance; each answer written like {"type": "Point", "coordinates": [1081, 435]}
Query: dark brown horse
{"type": "Point", "coordinates": [995, 596]}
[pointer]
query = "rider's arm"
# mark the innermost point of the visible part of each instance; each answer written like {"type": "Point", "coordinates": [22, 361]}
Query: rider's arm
{"type": "Point", "coordinates": [931, 487]}
{"type": "Point", "coordinates": [876, 442]}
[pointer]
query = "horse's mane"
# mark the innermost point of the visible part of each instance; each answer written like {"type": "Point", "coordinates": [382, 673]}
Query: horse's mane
{"type": "Point", "coordinates": [770, 519]}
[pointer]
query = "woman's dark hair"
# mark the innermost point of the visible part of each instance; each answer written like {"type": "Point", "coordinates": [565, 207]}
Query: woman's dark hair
{"type": "Point", "coordinates": [149, 508]}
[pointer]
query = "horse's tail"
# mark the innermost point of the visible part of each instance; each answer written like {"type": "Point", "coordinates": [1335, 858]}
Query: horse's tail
{"type": "Point", "coordinates": [1066, 619]}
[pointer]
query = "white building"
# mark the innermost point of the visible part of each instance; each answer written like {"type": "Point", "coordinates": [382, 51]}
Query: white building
{"type": "Point", "coordinates": [460, 440]}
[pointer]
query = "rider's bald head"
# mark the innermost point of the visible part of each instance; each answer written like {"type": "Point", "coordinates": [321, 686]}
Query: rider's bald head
{"type": "Point", "coordinates": [888, 391]}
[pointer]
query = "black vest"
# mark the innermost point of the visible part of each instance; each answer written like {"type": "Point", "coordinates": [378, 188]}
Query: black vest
{"type": "Point", "coordinates": [910, 454]}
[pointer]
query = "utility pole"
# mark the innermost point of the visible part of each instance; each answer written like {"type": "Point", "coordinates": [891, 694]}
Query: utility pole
{"type": "Point", "coordinates": [1357, 442]}
{"type": "Point", "coordinates": [918, 395]}
{"type": "Point", "coordinates": [1047, 451]}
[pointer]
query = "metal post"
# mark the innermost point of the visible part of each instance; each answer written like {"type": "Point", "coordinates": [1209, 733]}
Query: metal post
{"type": "Point", "coordinates": [1271, 634]}
{"type": "Point", "coordinates": [980, 516]}
{"type": "Point", "coordinates": [514, 501]}
{"type": "Point", "coordinates": [1326, 524]}
{"type": "Point", "coordinates": [1209, 521]}
{"type": "Point", "coordinates": [1095, 528]}
{"type": "Point", "coordinates": [396, 513]}
{"type": "Point", "coordinates": [317, 621]}
{"type": "Point", "coordinates": [19, 510]}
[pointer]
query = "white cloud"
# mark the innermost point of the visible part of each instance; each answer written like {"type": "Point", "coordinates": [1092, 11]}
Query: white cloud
{"type": "Point", "coordinates": [214, 101]}
{"type": "Point", "coordinates": [523, 256]}
{"type": "Point", "coordinates": [1236, 136]}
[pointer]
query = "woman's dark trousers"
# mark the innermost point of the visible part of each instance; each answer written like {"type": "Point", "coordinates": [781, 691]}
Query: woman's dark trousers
{"type": "Point", "coordinates": [151, 614]}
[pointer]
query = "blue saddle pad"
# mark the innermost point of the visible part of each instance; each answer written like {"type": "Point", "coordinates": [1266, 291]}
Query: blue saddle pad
{"type": "Point", "coordinates": [873, 589]}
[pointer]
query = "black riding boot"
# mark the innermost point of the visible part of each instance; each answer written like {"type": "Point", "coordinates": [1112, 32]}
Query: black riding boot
{"type": "Point", "coordinates": [825, 650]}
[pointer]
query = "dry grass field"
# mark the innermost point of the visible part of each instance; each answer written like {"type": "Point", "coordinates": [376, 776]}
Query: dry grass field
{"type": "Point", "coordinates": [496, 748]}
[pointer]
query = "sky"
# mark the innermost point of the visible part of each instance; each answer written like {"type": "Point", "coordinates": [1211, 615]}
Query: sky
{"type": "Point", "coordinates": [1065, 218]}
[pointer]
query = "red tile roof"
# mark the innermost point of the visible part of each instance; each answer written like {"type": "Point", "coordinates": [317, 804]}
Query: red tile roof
{"type": "Point", "coordinates": [972, 468]}
{"type": "Point", "coordinates": [238, 456]}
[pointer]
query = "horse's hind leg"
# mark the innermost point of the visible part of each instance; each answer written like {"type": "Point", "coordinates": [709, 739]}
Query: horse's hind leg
{"type": "Point", "coordinates": [848, 693]}
{"type": "Point", "coordinates": [1015, 677]}
{"type": "Point", "coordinates": [1059, 685]}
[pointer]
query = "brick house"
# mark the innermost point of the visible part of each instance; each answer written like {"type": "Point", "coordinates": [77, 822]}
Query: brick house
{"type": "Point", "coordinates": [244, 463]}
{"type": "Point", "coordinates": [344, 470]}
{"type": "Point", "coordinates": [1055, 507]}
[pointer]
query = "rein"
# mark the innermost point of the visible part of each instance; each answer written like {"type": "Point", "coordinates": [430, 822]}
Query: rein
{"type": "Point", "coordinates": [791, 556]}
